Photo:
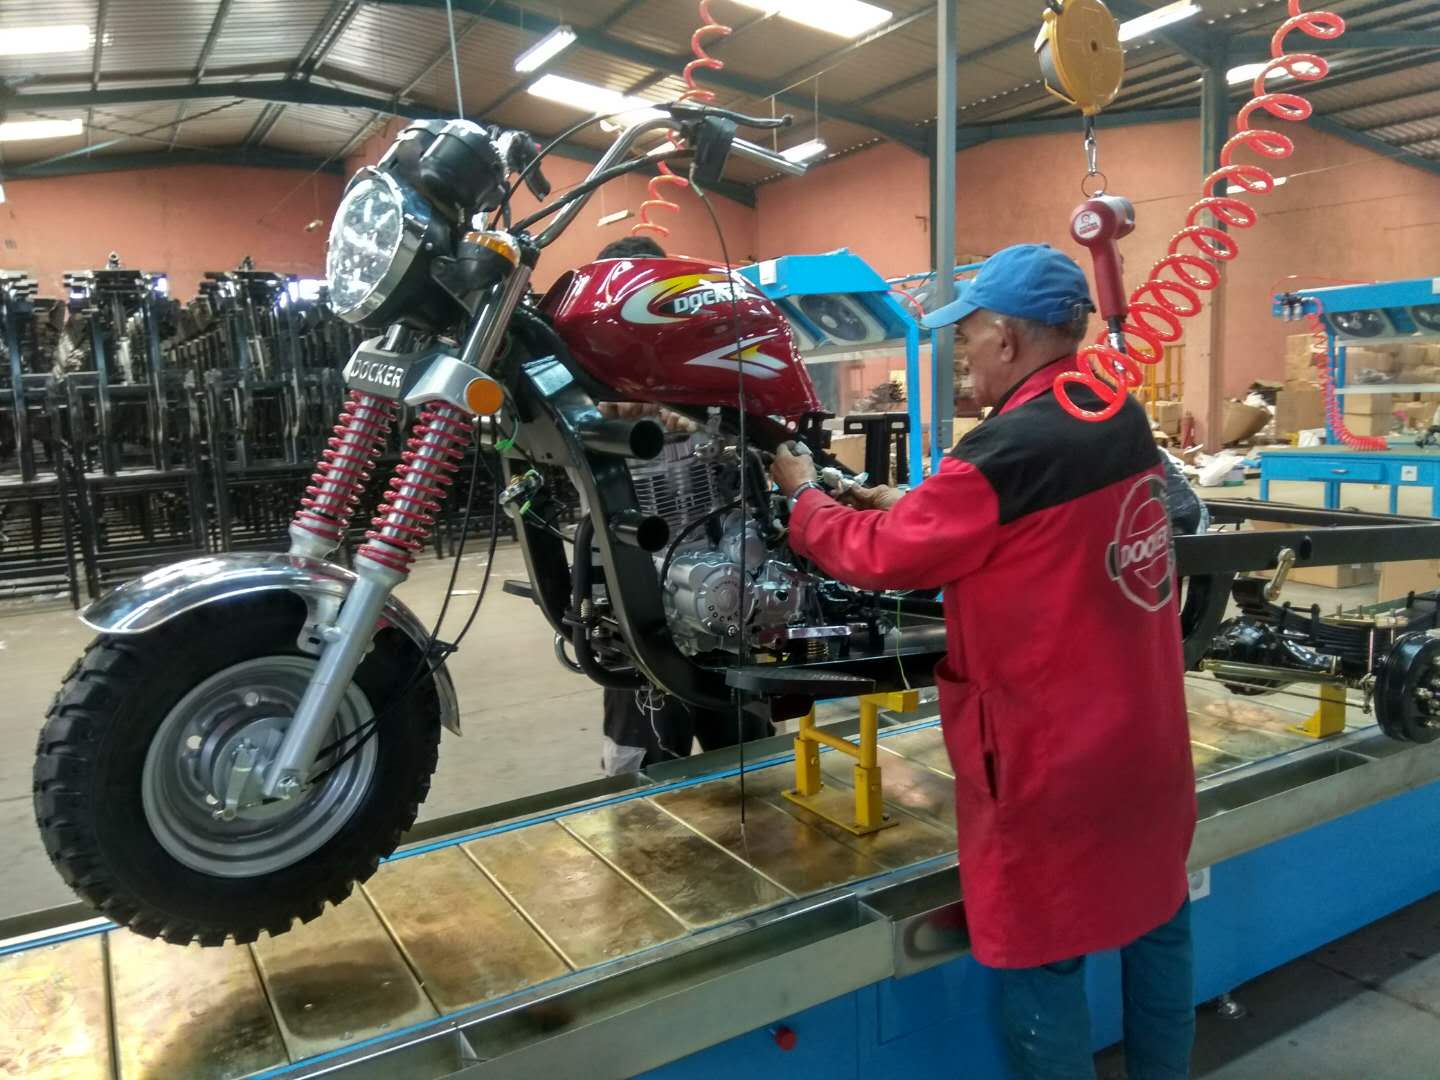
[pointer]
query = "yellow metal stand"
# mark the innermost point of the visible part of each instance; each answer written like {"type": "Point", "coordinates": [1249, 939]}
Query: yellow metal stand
{"type": "Point", "coordinates": [1329, 718]}
{"type": "Point", "coordinates": [869, 815]}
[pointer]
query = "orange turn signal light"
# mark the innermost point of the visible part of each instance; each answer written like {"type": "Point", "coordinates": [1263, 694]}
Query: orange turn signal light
{"type": "Point", "coordinates": [484, 396]}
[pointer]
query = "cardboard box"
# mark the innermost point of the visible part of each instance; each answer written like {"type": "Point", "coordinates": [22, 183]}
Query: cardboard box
{"type": "Point", "coordinates": [1400, 579]}
{"type": "Point", "coordinates": [1424, 373]}
{"type": "Point", "coordinates": [1369, 404]}
{"type": "Point", "coordinates": [1417, 414]}
{"type": "Point", "coordinates": [849, 450]}
{"type": "Point", "coordinates": [1370, 425]}
{"type": "Point", "coordinates": [1409, 356]}
{"type": "Point", "coordinates": [1242, 421]}
{"type": "Point", "coordinates": [1329, 577]}
{"type": "Point", "coordinates": [1298, 408]}
{"type": "Point", "coordinates": [1371, 360]}
{"type": "Point", "coordinates": [1298, 366]}
{"type": "Point", "coordinates": [1168, 416]}
{"type": "Point", "coordinates": [1374, 359]}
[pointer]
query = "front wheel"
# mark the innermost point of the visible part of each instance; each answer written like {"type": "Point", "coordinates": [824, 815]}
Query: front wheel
{"type": "Point", "coordinates": [145, 814]}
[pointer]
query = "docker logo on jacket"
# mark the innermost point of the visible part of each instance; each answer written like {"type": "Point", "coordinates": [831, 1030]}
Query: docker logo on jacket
{"type": "Point", "coordinates": [1140, 558]}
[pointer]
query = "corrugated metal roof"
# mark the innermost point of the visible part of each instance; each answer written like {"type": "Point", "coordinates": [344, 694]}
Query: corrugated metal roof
{"type": "Point", "coordinates": [266, 31]}
{"type": "Point", "coordinates": [388, 49]}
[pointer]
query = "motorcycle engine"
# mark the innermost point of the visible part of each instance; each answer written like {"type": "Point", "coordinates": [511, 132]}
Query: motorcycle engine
{"type": "Point", "coordinates": [690, 482]}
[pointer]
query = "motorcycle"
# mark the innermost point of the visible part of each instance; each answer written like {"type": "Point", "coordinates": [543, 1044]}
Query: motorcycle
{"type": "Point", "coordinates": [250, 734]}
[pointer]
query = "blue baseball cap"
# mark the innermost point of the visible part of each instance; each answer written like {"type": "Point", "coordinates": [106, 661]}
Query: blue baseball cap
{"type": "Point", "coordinates": [1027, 281]}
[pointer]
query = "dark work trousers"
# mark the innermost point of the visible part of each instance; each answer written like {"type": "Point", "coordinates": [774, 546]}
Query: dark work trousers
{"type": "Point", "coordinates": [1047, 1019]}
{"type": "Point", "coordinates": [637, 736]}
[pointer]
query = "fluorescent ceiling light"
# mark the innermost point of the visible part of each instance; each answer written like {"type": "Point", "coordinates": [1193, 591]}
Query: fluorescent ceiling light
{"type": "Point", "coordinates": [20, 130]}
{"type": "Point", "coordinates": [593, 99]}
{"type": "Point", "coordinates": [804, 151]}
{"type": "Point", "coordinates": [611, 219]}
{"type": "Point", "coordinates": [37, 40]}
{"type": "Point", "coordinates": [546, 49]}
{"type": "Point", "coordinates": [1160, 17]}
{"type": "Point", "coordinates": [844, 18]}
{"type": "Point", "coordinates": [1247, 72]}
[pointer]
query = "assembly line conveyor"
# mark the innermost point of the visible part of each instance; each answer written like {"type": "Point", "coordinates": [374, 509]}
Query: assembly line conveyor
{"type": "Point", "coordinates": [613, 929]}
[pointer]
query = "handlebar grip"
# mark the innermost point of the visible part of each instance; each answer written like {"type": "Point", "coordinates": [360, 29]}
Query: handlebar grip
{"type": "Point", "coordinates": [762, 156]}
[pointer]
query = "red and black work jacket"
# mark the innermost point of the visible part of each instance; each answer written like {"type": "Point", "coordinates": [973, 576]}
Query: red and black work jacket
{"type": "Point", "coordinates": [1061, 695]}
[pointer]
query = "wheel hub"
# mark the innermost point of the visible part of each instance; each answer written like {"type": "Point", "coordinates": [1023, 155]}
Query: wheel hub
{"type": "Point", "coordinates": [205, 765]}
{"type": "Point", "coordinates": [1407, 689]}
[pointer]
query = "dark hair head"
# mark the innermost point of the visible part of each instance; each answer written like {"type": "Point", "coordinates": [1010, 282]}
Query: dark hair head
{"type": "Point", "coordinates": [632, 247]}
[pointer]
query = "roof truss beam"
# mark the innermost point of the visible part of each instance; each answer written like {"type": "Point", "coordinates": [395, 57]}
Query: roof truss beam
{"type": "Point", "coordinates": [1377, 146]}
{"type": "Point", "coordinates": [235, 156]}
{"type": "Point", "coordinates": [1254, 47]}
{"type": "Point", "coordinates": [500, 11]}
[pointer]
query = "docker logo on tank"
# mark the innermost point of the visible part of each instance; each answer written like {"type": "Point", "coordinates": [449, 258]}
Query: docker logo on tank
{"type": "Point", "coordinates": [1140, 558]}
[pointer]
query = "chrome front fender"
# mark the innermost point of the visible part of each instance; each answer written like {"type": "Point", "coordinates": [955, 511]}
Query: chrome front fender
{"type": "Point", "coordinates": [142, 604]}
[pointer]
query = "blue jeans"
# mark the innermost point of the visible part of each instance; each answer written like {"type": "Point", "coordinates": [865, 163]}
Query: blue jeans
{"type": "Point", "coordinates": [1046, 1018]}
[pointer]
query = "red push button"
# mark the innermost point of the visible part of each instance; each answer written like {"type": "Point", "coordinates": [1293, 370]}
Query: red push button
{"type": "Point", "coordinates": [785, 1038]}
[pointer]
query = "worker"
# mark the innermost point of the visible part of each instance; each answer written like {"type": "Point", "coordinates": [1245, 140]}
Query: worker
{"type": "Point", "coordinates": [644, 728]}
{"type": "Point", "coordinates": [1061, 692]}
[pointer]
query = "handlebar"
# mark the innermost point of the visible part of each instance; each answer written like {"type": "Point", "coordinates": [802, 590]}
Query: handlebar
{"type": "Point", "coordinates": [679, 112]}
{"type": "Point", "coordinates": [761, 156]}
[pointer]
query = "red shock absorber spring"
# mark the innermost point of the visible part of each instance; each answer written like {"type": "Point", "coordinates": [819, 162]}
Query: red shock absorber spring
{"type": "Point", "coordinates": [709, 27]}
{"type": "Point", "coordinates": [1197, 252]}
{"type": "Point", "coordinates": [433, 452]}
{"type": "Point", "coordinates": [343, 469]}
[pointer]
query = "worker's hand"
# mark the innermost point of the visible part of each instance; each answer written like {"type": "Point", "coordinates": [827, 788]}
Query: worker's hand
{"type": "Point", "coordinates": [789, 470]}
{"type": "Point", "coordinates": [635, 410]}
{"type": "Point", "coordinates": [879, 497]}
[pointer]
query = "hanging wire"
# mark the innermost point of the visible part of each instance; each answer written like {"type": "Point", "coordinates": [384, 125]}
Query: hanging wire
{"type": "Point", "coordinates": [455, 59]}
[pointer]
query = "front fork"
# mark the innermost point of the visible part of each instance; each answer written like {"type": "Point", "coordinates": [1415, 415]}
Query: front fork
{"type": "Point", "coordinates": [399, 530]}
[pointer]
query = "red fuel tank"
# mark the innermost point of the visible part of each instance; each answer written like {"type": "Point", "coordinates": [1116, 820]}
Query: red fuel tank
{"type": "Point", "coordinates": [664, 331]}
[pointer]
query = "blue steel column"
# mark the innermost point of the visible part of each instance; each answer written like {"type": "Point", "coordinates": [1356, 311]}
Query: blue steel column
{"type": "Point", "coordinates": [942, 342]}
{"type": "Point", "coordinates": [1205, 389]}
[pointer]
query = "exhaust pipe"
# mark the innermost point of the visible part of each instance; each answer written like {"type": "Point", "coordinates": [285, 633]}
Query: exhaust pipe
{"type": "Point", "coordinates": [643, 439]}
{"type": "Point", "coordinates": [646, 533]}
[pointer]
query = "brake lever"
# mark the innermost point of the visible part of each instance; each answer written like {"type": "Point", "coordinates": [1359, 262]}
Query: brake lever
{"type": "Point", "coordinates": [521, 152]}
{"type": "Point", "coordinates": [689, 110]}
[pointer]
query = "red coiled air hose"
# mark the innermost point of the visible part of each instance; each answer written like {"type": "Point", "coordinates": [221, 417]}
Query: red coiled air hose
{"type": "Point", "coordinates": [709, 28]}
{"type": "Point", "coordinates": [1327, 386]}
{"type": "Point", "coordinates": [1158, 305]}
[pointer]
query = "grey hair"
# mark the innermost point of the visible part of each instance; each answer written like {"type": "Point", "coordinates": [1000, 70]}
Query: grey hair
{"type": "Point", "coordinates": [1068, 334]}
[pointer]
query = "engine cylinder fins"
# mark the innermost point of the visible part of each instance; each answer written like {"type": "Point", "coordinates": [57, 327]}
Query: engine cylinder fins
{"type": "Point", "coordinates": [1407, 689]}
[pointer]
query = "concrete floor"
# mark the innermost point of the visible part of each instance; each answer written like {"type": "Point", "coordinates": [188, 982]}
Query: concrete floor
{"type": "Point", "coordinates": [1366, 1006]}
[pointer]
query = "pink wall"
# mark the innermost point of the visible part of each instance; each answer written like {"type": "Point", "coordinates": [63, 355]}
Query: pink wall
{"type": "Point", "coordinates": [876, 202]}
{"type": "Point", "coordinates": [1359, 216]}
{"type": "Point", "coordinates": [183, 221]}
{"type": "Point", "coordinates": [691, 232]}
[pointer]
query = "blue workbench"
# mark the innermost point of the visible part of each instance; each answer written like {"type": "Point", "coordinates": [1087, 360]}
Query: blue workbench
{"type": "Point", "coordinates": [1333, 466]}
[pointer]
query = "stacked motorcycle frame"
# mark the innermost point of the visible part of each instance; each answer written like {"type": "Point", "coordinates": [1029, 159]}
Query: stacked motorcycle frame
{"type": "Point", "coordinates": [135, 430]}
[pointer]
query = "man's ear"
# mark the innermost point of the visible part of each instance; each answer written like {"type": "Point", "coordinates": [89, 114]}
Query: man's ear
{"type": "Point", "coordinates": [1009, 339]}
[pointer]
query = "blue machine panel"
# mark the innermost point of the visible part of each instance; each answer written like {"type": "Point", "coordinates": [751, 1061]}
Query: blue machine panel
{"type": "Point", "coordinates": [1264, 909]}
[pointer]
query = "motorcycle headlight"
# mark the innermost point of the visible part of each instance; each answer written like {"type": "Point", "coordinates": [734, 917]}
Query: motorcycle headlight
{"type": "Point", "coordinates": [373, 240]}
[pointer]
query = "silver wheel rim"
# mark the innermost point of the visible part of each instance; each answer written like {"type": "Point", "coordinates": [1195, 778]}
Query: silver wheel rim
{"type": "Point", "coordinates": [195, 746]}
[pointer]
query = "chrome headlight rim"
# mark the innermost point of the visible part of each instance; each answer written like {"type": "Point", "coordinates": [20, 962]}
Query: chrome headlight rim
{"type": "Point", "coordinates": [415, 218]}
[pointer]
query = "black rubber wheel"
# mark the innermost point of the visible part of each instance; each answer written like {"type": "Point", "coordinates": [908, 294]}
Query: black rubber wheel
{"type": "Point", "coordinates": [92, 754]}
